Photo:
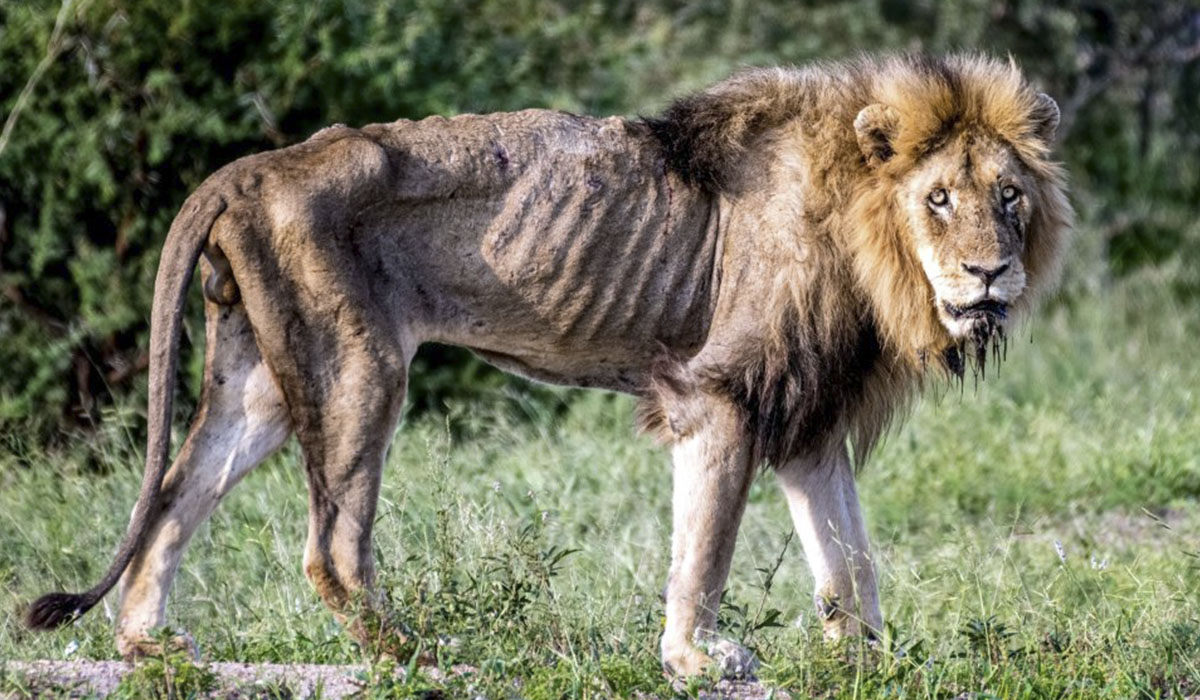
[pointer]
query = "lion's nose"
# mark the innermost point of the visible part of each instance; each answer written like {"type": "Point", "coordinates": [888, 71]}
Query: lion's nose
{"type": "Point", "coordinates": [987, 274]}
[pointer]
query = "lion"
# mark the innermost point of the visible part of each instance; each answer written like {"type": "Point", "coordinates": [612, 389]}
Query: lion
{"type": "Point", "coordinates": [774, 267]}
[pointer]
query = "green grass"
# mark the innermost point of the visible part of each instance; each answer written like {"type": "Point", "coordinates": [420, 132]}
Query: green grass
{"type": "Point", "coordinates": [534, 550]}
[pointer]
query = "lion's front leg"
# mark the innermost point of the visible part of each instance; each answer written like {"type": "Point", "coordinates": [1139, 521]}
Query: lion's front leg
{"type": "Point", "coordinates": [712, 474]}
{"type": "Point", "coordinates": [824, 506]}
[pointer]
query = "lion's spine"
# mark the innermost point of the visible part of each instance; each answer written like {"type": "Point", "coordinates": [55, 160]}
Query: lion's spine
{"type": "Point", "coordinates": [181, 251]}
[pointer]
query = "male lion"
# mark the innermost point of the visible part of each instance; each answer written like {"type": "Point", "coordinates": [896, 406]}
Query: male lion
{"type": "Point", "coordinates": [772, 266]}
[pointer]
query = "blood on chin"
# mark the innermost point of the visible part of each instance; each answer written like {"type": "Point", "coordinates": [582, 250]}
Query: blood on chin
{"type": "Point", "coordinates": [971, 328]}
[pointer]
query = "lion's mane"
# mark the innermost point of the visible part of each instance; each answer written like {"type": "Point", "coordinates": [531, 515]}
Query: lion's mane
{"type": "Point", "coordinates": [851, 337]}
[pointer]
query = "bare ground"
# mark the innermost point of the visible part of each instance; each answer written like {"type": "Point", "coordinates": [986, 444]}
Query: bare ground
{"type": "Point", "coordinates": [100, 678]}
{"type": "Point", "coordinates": [89, 679]}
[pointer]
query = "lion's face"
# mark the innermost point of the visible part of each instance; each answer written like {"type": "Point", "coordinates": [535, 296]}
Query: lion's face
{"type": "Point", "coordinates": [966, 194]}
{"type": "Point", "coordinates": [967, 212]}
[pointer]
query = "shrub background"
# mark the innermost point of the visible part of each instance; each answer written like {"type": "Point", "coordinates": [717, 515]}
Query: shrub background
{"type": "Point", "coordinates": [116, 109]}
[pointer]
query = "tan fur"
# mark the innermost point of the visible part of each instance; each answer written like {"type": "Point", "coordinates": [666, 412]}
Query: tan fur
{"type": "Point", "coordinates": [762, 265]}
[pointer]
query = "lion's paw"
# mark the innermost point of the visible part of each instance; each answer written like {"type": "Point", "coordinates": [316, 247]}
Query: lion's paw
{"type": "Point", "coordinates": [733, 659]}
{"type": "Point", "coordinates": [134, 647]}
{"type": "Point", "coordinates": [685, 660]}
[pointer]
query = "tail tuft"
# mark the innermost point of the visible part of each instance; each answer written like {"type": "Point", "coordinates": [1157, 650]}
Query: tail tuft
{"type": "Point", "coordinates": [56, 609]}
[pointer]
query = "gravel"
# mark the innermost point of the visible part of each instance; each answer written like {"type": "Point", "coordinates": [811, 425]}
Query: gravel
{"type": "Point", "coordinates": [88, 679]}
{"type": "Point", "coordinates": [99, 678]}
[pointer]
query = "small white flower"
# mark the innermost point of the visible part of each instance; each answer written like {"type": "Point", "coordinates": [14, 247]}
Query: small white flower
{"type": "Point", "coordinates": [1100, 565]}
{"type": "Point", "coordinates": [1062, 552]}
{"type": "Point", "coordinates": [72, 647]}
{"type": "Point", "coordinates": [496, 486]}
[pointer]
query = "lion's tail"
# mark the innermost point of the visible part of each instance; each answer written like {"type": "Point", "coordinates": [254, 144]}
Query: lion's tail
{"type": "Point", "coordinates": [185, 241]}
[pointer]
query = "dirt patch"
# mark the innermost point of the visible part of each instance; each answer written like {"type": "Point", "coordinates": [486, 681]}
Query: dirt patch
{"type": "Point", "coordinates": [100, 678]}
{"type": "Point", "coordinates": [89, 679]}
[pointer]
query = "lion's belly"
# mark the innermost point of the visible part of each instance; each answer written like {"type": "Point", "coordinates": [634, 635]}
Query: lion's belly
{"type": "Point", "coordinates": [625, 375]}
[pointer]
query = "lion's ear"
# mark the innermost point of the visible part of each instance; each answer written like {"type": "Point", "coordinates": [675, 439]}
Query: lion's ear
{"type": "Point", "coordinates": [1045, 117]}
{"type": "Point", "coordinates": [876, 126]}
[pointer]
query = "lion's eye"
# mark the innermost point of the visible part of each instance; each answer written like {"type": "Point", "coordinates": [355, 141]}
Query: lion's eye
{"type": "Point", "coordinates": [939, 197]}
{"type": "Point", "coordinates": [1009, 194]}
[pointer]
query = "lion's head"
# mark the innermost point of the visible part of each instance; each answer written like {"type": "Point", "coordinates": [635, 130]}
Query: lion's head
{"type": "Point", "coordinates": [962, 217]}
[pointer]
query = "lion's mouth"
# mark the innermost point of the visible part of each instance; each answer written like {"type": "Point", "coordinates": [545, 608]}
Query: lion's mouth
{"type": "Point", "coordinates": [976, 327]}
{"type": "Point", "coordinates": [983, 307]}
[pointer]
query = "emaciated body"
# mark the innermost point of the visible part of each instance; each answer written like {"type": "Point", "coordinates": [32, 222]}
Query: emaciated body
{"type": "Point", "coordinates": [771, 266]}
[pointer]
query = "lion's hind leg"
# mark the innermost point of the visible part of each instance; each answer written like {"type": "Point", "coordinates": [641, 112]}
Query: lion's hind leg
{"type": "Point", "coordinates": [345, 425]}
{"type": "Point", "coordinates": [241, 421]}
{"type": "Point", "coordinates": [338, 344]}
{"type": "Point", "coordinates": [345, 462]}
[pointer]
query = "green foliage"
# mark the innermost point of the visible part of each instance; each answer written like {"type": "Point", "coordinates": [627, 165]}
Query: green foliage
{"type": "Point", "coordinates": [139, 101]}
{"type": "Point", "coordinates": [494, 609]}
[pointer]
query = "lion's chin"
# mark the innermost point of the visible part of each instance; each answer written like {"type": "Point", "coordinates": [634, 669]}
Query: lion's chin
{"type": "Point", "coordinates": [976, 328]}
{"type": "Point", "coordinates": [975, 322]}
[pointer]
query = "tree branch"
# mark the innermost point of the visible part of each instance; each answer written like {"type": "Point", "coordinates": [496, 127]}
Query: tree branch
{"type": "Point", "coordinates": [54, 47]}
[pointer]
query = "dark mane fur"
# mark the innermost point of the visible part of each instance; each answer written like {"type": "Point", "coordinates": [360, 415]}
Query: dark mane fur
{"type": "Point", "coordinates": [793, 400]}
{"type": "Point", "coordinates": [704, 135]}
{"type": "Point", "coordinates": [820, 382]}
